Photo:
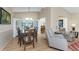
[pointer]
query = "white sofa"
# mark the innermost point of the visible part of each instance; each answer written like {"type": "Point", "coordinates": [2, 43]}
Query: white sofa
{"type": "Point", "coordinates": [56, 40]}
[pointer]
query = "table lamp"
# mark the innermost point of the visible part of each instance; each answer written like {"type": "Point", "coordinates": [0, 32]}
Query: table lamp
{"type": "Point", "coordinates": [73, 27]}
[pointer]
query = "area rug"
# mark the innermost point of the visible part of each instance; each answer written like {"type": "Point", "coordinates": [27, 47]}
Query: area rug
{"type": "Point", "coordinates": [74, 46]}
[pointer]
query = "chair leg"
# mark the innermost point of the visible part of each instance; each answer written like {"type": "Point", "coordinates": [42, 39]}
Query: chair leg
{"type": "Point", "coordinates": [20, 43]}
{"type": "Point", "coordinates": [36, 39]}
{"type": "Point", "coordinates": [33, 45]}
{"type": "Point", "coordinates": [23, 41]}
{"type": "Point", "coordinates": [24, 46]}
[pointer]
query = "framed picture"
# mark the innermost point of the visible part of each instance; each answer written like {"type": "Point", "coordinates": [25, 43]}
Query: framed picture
{"type": "Point", "coordinates": [5, 17]}
{"type": "Point", "coordinates": [60, 23]}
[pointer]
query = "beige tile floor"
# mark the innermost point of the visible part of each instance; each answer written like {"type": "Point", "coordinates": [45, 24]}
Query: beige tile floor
{"type": "Point", "coordinates": [41, 45]}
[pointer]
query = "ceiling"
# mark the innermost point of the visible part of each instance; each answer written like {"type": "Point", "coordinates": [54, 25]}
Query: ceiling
{"type": "Point", "coordinates": [72, 9]}
{"type": "Point", "coordinates": [38, 9]}
{"type": "Point", "coordinates": [26, 9]}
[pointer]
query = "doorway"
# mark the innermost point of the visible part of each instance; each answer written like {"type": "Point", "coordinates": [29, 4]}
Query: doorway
{"type": "Point", "coordinates": [41, 22]}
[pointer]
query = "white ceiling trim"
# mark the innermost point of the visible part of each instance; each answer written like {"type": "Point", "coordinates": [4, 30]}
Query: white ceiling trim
{"type": "Point", "coordinates": [26, 9]}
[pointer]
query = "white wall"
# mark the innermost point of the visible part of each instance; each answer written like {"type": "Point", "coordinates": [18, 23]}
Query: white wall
{"type": "Point", "coordinates": [55, 13]}
{"type": "Point", "coordinates": [52, 14]}
{"type": "Point", "coordinates": [5, 32]}
{"type": "Point", "coordinates": [75, 20]}
{"type": "Point", "coordinates": [45, 12]}
{"type": "Point", "coordinates": [65, 25]}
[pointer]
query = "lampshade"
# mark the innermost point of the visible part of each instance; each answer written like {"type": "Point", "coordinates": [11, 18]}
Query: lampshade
{"type": "Point", "coordinates": [73, 25]}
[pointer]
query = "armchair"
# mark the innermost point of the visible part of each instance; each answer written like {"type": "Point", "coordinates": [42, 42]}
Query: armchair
{"type": "Point", "coordinates": [56, 41]}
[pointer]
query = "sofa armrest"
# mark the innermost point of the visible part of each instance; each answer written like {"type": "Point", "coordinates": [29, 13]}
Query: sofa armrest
{"type": "Point", "coordinates": [60, 43]}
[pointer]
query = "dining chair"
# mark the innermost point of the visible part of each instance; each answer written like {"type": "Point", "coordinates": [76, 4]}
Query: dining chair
{"type": "Point", "coordinates": [29, 39]}
{"type": "Point", "coordinates": [20, 38]}
{"type": "Point", "coordinates": [35, 35]}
